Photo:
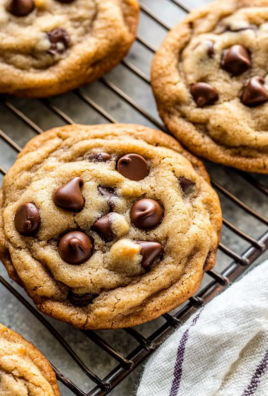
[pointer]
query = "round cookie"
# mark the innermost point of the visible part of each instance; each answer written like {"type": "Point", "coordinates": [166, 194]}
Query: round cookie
{"type": "Point", "coordinates": [210, 81]}
{"type": "Point", "coordinates": [108, 226]}
{"type": "Point", "coordinates": [48, 47]}
{"type": "Point", "coordinates": [24, 371]}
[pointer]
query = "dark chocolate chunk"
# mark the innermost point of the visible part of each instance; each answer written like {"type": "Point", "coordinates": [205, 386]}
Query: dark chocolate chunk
{"type": "Point", "coordinates": [69, 195]}
{"type": "Point", "coordinates": [204, 94]}
{"type": "Point", "coordinates": [185, 184]}
{"type": "Point", "coordinates": [65, 1]}
{"type": "Point", "coordinates": [133, 167]}
{"type": "Point", "coordinates": [27, 219]}
{"type": "Point", "coordinates": [75, 248]}
{"type": "Point", "coordinates": [149, 251]}
{"type": "Point", "coordinates": [59, 40]}
{"type": "Point", "coordinates": [255, 92]}
{"type": "Point", "coordinates": [146, 214]}
{"type": "Point", "coordinates": [81, 300]}
{"type": "Point", "coordinates": [98, 157]}
{"type": "Point", "coordinates": [236, 60]}
{"type": "Point", "coordinates": [20, 8]}
{"type": "Point", "coordinates": [103, 227]}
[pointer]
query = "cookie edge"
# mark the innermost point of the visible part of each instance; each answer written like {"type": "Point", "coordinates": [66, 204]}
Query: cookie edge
{"type": "Point", "coordinates": [35, 355]}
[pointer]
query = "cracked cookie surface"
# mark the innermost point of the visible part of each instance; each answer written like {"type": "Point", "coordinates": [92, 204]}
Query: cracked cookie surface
{"type": "Point", "coordinates": [211, 86]}
{"type": "Point", "coordinates": [51, 46]}
{"type": "Point", "coordinates": [24, 371]}
{"type": "Point", "coordinates": [108, 226]}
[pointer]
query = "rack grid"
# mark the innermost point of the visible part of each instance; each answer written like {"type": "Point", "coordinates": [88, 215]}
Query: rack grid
{"type": "Point", "coordinates": [219, 281]}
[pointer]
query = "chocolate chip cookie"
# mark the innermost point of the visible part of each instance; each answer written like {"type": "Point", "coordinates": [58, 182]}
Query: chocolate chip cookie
{"type": "Point", "coordinates": [108, 226]}
{"type": "Point", "coordinates": [51, 46]}
{"type": "Point", "coordinates": [211, 84]}
{"type": "Point", "coordinates": [24, 371]}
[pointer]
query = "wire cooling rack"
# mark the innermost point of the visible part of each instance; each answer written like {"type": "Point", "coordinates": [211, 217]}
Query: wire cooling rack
{"type": "Point", "coordinates": [218, 281]}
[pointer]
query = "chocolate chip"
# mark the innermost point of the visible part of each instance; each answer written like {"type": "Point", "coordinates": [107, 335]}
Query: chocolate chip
{"type": "Point", "coordinates": [211, 48]}
{"type": "Point", "coordinates": [75, 248]}
{"type": "Point", "coordinates": [204, 94]}
{"type": "Point", "coordinates": [99, 157]}
{"type": "Point", "coordinates": [20, 8]}
{"type": "Point", "coordinates": [81, 300]}
{"type": "Point", "coordinates": [59, 40]}
{"type": "Point", "coordinates": [109, 194]}
{"type": "Point", "coordinates": [236, 60]}
{"type": "Point", "coordinates": [65, 1]}
{"type": "Point", "coordinates": [27, 219]}
{"type": "Point", "coordinates": [149, 251]}
{"type": "Point", "coordinates": [254, 93]}
{"type": "Point", "coordinates": [146, 214]}
{"type": "Point", "coordinates": [133, 167]}
{"type": "Point", "coordinates": [185, 184]}
{"type": "Point", "coordinates": [103, 227]}
{"type": "Point", "coordinates": [69, 195]}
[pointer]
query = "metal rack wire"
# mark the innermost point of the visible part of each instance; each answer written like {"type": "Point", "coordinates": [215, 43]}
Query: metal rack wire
{"type": "Point", "coordinates": [240, 264]}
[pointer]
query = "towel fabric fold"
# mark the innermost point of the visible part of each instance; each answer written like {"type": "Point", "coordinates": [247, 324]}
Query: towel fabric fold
{"type": "Point", "coordinates": [221, 351]}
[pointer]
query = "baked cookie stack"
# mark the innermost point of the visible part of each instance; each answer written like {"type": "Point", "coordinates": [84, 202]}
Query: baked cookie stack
{"type": "Point", "coordinates": [110, 226]}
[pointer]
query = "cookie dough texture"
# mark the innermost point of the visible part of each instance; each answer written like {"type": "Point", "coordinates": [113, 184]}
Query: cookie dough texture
{"type": "Point", "coordinates": [24, 371]}
{"type": "Point", "coordinates": [100, 34]}
{"type": "Point", "coordinates": [227, 132]}
{"type": "Point", "coordinates": [125, 294]}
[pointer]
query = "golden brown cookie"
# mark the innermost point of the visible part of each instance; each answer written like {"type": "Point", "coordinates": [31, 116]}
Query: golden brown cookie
{"type": "Point", "coordinates": [24, 371]}
{"type": "Point", "coordinates": [48, 47]}
{"type": "Point", "coordinates": [108, 226]}
{"type": "Point", "coordinates": [211, 86]}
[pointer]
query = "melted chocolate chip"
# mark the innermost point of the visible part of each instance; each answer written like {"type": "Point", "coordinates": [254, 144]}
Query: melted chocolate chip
{"type": "Point", "coordinates": [99, 157]}
{"type": "Point", "coordinates": [27, 219]}
{"type": "Point", "coordinates": [103, 227]}
{"type": "Point", "coordinates": [236, 60]}
{"type": "Point", "coordinates": [106, 192]}
{"type": "Point", "coordinates": [109, 194]}
{"type": "Point", "coordinates": [20, 8]}
{"type": "Point", "coordinates": [59, 40]}
{"type": "Point", "coordinates": [75, 248]}
{"type": "Point", "coordinates": [254, 93]}
{"type": "Point", "coordinates": [65, 1]}
{"type": "Point", "coordinates": [149, 251]}
{"type": "Point", "coordinates": [229, 28]}
{"type": "Point", "coordinates": [133, 167]}
{"type": "Point", "coordinates": [204, 94]}
{"type": "Point", "coordinates": [81, 300]}
{"type": "Point", "coordinates": [69, 195]}
{"type": "Point", "coordinates": [146, 214]}
{"type": "Point", "coordinates": [211, 49]}
{"type": "Point", "coordinates": [185, 184]}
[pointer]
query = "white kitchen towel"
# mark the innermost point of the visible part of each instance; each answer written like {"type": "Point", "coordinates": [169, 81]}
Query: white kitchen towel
{"type": "Point", "coordinates": [221, 351]}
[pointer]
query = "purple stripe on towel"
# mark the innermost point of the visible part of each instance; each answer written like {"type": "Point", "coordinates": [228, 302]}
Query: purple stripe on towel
{"type": "Point", "coordinates": [256, 378]}
{"type": "Point", "coordinates": [179, 359]}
